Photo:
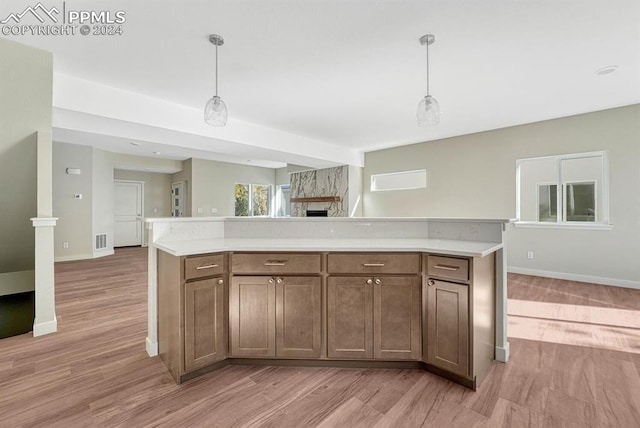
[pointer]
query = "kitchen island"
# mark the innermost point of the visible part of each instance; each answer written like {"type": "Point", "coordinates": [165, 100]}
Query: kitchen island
{"type": "Point", "coordinates": [410, 292]}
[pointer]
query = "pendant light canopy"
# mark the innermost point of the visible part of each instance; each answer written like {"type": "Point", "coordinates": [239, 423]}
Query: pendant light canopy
{"type": "Point", "coordinates": [428, 113]}
{"type": "Point", "coordinates": [215, 111]}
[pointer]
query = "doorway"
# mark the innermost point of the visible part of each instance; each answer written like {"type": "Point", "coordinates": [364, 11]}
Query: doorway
{"type": "Point", "coordinates": [128, 207]}
{"type": "Point", "coordinates": [178, 198]}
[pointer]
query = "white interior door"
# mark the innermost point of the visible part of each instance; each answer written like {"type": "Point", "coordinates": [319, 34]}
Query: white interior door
{"type": "Point", "coordinates": [128, 208]}
{"type": "Point", "coordinates": [178, 198]}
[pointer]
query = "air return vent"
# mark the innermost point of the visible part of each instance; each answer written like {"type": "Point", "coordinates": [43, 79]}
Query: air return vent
{"type": "Point", "coordinates": [101, 241]}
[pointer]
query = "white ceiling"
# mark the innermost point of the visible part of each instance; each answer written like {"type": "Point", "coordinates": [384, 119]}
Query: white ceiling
{"type": "Point", "coordinates": [349, 74]}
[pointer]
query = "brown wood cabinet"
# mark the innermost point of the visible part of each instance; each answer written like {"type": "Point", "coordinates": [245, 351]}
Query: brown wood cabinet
{"type": "Point", "coordinates": [204, 327]}
{"type": "Point", "coordinates": [448, 326]}
{"type": "Point", "coordinates": [252, 319]}
{"type": "Point", "coordinates": [459, 314]}
{"type": "Point", "coordinates": [396, 318]}
{"type": "Point", "coordinates": [374, 316]}
{"type": "Point", "coordinates": [192, 322]}
{"type": "Point", "coordinates": [276, 316]}
{"type": "Point", "coordinates": [298, 317]}
{"type": "Point", "coordinates": [349, 317]}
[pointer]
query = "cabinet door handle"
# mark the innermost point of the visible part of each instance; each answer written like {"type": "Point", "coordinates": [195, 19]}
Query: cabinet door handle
{"type": "Point", "coordinates": [271, 280]}
{"type": "Point", "coordinates": [431, 282]}
{"type": "Point", "coordinates": [279, 280]}
{"type": "Point", "coordinates": [378, 281]}
{"type": "Point", "coordinates": [220, 281]}
{"type": "Point", "coordinates": [369, 281]}
{"type": "Point", "coordinates": [206, 267]}
{"type": "Point", "coordinates": [275, 263]}
{"type": "Point", "coordinates": [447, 267]}
{"type": "Point", "coordinates": [373, 264]}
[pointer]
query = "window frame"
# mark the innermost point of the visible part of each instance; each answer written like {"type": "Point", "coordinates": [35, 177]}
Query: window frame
{"type": "Point", "coordinates": [250, 207]}
{"type": "Point", "coordinates": [561, 223]}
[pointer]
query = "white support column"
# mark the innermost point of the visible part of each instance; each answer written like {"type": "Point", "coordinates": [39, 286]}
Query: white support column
{"type": "Point", "coordinates": [152, 295]}
{"type": "Point", "coordinates": [45, 321]}
{"type": "Point", "coordinates": [502, 345]}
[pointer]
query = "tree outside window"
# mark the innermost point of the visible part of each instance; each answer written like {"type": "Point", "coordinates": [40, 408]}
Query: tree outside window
{"type": "Point", "coordinates": [253, 200]}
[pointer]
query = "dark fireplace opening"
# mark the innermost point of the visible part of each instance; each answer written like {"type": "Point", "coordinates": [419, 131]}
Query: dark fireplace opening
{"type": "Point", "coordinates": [317, 213]}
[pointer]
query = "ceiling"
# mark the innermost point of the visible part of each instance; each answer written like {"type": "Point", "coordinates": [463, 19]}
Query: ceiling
{"type": "Point", "coordinates": [340, 77]}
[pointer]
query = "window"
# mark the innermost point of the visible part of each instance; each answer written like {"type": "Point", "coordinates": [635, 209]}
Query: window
{"type": "Point", "coordinates": [563, 190]}
{"type": "Point", "coordinates": [253, 200]}
{"type": "Point", "coordinates": [399, 180]}
{"type": "Point", "coordinates": [283, 201]}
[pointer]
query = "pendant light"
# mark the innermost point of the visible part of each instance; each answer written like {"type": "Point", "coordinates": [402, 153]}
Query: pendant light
{"type": "Point", "coordinates": [215, 111]}
{"type": "Point", "coordinates": [428, 113]}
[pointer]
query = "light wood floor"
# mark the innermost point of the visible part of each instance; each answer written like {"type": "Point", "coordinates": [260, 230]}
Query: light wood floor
{"type": "Point", "coordinates": [95, 372]}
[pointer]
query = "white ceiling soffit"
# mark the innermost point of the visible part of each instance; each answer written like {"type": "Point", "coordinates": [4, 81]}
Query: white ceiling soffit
{"type": "Point", "coordinates": [328, 80]}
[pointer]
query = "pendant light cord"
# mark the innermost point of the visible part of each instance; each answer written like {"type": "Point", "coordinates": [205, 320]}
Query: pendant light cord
{"type": "Point", "coordinates": [427, 44]}
{"type": "Point", "coordinates": [216, 69]}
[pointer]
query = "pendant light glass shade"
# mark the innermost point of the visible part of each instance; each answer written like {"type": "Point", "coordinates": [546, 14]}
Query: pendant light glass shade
{"type": "Point", "coordinates": [428, 113]}
{"type": "Point", "coordinates": [215, 112]}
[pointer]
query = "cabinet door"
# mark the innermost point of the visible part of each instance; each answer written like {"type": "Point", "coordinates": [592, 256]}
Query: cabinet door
{"type": "Point", "coordinates": [396, 318]}
{"type": "Point", "coordinates": [204, 324]}
{"type": "Point", "coordinates": [448, 326]}
{"type": "Point", "coordinates": [298, 317]}
{"type": "Point", "coordinates": [349, 317]}
{"type": "Point", "coordinates": [252, 320]}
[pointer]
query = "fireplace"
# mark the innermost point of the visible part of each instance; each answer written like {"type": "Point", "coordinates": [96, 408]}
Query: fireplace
{"type": "Point", "coordinates": [317, 213]}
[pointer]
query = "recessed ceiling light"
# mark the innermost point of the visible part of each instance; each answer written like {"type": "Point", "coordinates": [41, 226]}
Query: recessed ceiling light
{"type": "Point", "coordinates": [133, 143]}
{"type": "Point", "coordinates": [606, 70]}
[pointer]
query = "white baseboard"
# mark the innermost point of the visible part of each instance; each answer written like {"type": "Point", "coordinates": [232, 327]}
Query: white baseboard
{"type": "Point", "coordinates": [42, 328]}
{"type": "Point", "coordinates": [576, 277]}
{"type": "Point", "coordinates": [83, 256]}
{"type": "Point", "coordinates": [104, 253]}
{"type": "Point", "coordinates": [152, 348]}
{"type": "Point", "coordinates": [502, 354]}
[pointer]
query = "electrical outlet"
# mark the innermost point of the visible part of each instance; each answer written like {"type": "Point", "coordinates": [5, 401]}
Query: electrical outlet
{"type": "Point", "coordinates": [530, 254]}
{"type": "Point", "coordinates": [199, 210]}
{"type": "Point", "coordinates": [214, 210]}
{"type": "Point", "coordinates": [65, 244]}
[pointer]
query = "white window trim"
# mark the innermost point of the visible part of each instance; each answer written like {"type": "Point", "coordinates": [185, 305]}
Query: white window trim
{"type": "Point", "coordinates": [271, 200]}
{"type": "Point", "coordinates": [372, 186]}
{"type": "Point", "coordinates": [603, 224]}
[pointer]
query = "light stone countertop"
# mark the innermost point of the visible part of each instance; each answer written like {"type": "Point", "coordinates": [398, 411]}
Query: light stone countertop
{"type": "Point", "coordinates": [442, 246]}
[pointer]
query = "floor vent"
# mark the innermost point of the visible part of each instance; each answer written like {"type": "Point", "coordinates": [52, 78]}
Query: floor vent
{"type": "Point", "coordinates": [101, 241]}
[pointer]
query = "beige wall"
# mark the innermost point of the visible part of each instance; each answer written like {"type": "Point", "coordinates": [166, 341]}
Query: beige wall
{"type": "Point", "coordinates": [25, 107]}
{"type": "Point", "coordinates": [157, 190]}
{"type": "Point", "coordinates": [213, 183]}
{"type": "Point", "coordinates": [75, 216]}
{"type": "Point", "coordinates": [102, 188]}
{"type": "Point", "coordinates": [474, 176]}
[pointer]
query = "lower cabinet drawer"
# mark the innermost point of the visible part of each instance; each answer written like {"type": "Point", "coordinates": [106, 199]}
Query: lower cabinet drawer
{"type": "Point", "coordinates": [276, 263]}
{"type": "Point", "coordinates": [201, 266]}
{"type": "Point", "coordinates": [374, 263]}
{"type": "Point", "coordinates": [448, 267]}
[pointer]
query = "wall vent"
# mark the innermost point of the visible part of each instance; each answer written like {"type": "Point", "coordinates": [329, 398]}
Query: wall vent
{"type": "Point", "coordinates": [101, 241]}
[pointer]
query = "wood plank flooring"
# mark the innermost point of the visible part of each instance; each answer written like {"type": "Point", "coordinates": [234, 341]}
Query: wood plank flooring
{"type": "Point", "coordinates": [95, 372]}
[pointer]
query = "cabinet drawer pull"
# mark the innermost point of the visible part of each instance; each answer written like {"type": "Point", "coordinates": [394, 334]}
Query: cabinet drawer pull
{"type": "Point", "coordinates": [447, 267]}
{"type": "Point", "coordinates": [275, 263]}
{"type": "Point", "coordinates": [206, 267]}
{"type": "Point", "coordinates": [373, 264]}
